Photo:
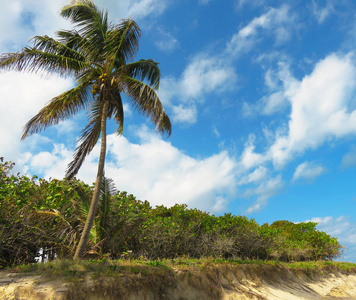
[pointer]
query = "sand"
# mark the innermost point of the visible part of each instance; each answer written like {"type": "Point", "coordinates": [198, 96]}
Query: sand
{"type": "Point", "coordinates": [233, 283]}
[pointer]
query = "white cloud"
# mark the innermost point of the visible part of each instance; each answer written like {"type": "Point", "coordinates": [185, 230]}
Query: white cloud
{"type": "Point", "coordinates": [307, 170]}
{"type": "Point", "coordinates": [341, 228]}
{"type": "Point", "coordinates": [22, 99]}
{"type": "Point", "coordinates": [52, 164]}
{"type": "Point", "coordinates": [263, 192]}
{"type": "Point", "coordinates": [276, 21]}
{"type": "Point", "coordinates": [249, 158]}
{"type": "Point", "coordinates": [281, 84]}
{"type": "Point", "coordinates": [349, 159]}
{"type": "Point", "coordinates": [167, 42]}
{"type": "Point", "coordinates": [319, 108]}
{"type": "Point", "coordinates": [216, 132]}
{"type": "Point", "coordinates": [24, 19]}
{"type": "Point", "coordinates": [320, 111]}
{"type": "Point", "coordinates": [322, 13]}
{"type": "Point", "coordinates": [142, 8]}
{"type": "Point", "coordinates": [256, 176]}
{"type": "Point", "coordinates": [184, 114]}
{"type": "Point", "coordinates": [162, 174]}
{"type": "Point", "coordinates": [152, 170]}
{"type": "Point", "coordinates": [136, 9]}
{"type": "Point", "coordinates": [205, 74]}
{"type": "Point", "coordinates": [205, 2]}
{"type": "Point", "coordinates": [220, 205]}
{"type": "Point", "coordinates": [241, 3]}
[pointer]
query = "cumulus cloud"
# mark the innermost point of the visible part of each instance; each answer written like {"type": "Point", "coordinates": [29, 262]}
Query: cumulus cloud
{"type": "Point", "coordinates": [156, 170]}
{"type": "Point", "coordinates": [22, 99]}
{"type": "Point", "coordinates": [307, 170]}
{"type": "Point", "coordinates": [249, 158]}
{"type": "Point", "coordinates": [24, 19]}
{"type": "Point", "coordinates": [152, 169]}
{"type": "Point", "coordinates": [320, 111]}
{"type": "Point", "coordinates": [319, 108]}
{"type": "Point", "coordinates": [205, 74]}
{"type": "Point", "coordinates": [184, 114]}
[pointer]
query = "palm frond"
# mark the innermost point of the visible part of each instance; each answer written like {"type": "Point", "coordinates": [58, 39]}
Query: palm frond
{"type": "Point", "coordinates": [87, 140]}
{"type": "Point", "coordinates": [73, 40]}
{"type": "Point", "coordinates": [116, 109]}
{"type": "Point", "coordinates": [123, 42]}
{"type": "Point", "coordinates": [49, 45]}
{"type": "Point", "coordinates": [108, 189]}
{"type": "Point", "coordinates": [144, 70]}
{"type": "Point", "coordinates": [91, 22]}
{"type": "Point", "coordinates": [147, 102]}
{"type": "Point", "coordinates": [59, 108]}
{"type": "Point", "coordinates": [34, 60]}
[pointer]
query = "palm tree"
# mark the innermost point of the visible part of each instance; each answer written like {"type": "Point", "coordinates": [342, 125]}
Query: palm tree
{"type": "Point", "coordinates": [99, 55]}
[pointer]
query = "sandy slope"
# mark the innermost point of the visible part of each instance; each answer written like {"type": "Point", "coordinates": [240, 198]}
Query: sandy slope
{"type": "Point", "coordinates": [334, 287]}
{"type": "Point", "coordinates": [231, 282]}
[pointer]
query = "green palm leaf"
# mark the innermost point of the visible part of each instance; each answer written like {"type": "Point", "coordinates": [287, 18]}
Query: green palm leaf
{"type": "Point", "coordinates": [87, 140]}
{"type": "Point", "coordinates": [59, 108]}
{"type": "Point", "coordinates": [145, 100]}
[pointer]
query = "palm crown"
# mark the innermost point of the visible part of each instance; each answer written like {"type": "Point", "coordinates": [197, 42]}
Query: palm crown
{"type": "Point", "coordinates": [99, 54]}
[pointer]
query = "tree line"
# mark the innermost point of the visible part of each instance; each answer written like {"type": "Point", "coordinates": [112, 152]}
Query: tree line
{"type": "Point", "coordinates": [49, 215]}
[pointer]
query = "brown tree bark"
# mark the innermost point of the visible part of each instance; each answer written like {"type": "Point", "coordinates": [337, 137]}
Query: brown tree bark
{"type": "Point", "coordinates": [96, 195]}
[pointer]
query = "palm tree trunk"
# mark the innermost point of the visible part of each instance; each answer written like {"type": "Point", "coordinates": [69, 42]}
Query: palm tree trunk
{"type": "Point", "coordinates": [96, 195]}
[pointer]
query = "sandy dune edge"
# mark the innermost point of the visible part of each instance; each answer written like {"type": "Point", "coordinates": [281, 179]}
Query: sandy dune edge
{"type": "Point", "coordinates": [335, 286]}
{"type": "Point", "coordinates": [215, 282]}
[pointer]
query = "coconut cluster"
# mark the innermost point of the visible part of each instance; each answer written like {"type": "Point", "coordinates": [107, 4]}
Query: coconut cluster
{"type": "Point", "coordinates": [99, 83]}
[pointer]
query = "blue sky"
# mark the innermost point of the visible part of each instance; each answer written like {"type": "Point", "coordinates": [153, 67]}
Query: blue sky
{"type": "Point", "coordinates": [261, 95]}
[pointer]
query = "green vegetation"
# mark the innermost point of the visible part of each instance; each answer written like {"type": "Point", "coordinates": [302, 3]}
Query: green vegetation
{"type": "Point", "coordinates": [99, 56]}
{"type": "Point", "coordinates": [50, 215]}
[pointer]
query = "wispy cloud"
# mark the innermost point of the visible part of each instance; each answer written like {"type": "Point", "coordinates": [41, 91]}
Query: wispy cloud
{"type": "Point", "coordinates": [321, 13]}
{"type": "Point", "coordinates": [349, 159]}
{"type": "Point", "coordinates": [276, 22]}
{"type": "Point", "coordinates": [166, 41]}
{"type": "Point", "coordinates": [264, 191]}
{"type": "Point", "coordinates": [308, 171]}
{"type": "Point", "coordinates": [136, 9]}
{"type": "Point", "coordinates": [204, 74]}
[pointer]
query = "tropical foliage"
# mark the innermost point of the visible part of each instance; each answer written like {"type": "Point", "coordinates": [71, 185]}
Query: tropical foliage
{"type": "Point", "coordinates": [40, 214]}
{"type": "Point", "coordinates": [99, 56]}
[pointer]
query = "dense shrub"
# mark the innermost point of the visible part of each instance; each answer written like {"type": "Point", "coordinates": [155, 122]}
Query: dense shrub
{"type": "Point", "coordinates": [49, 215]}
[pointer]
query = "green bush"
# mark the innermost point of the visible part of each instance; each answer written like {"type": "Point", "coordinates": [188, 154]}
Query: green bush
{"type": "Point", "coordinates": [50, 215]}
